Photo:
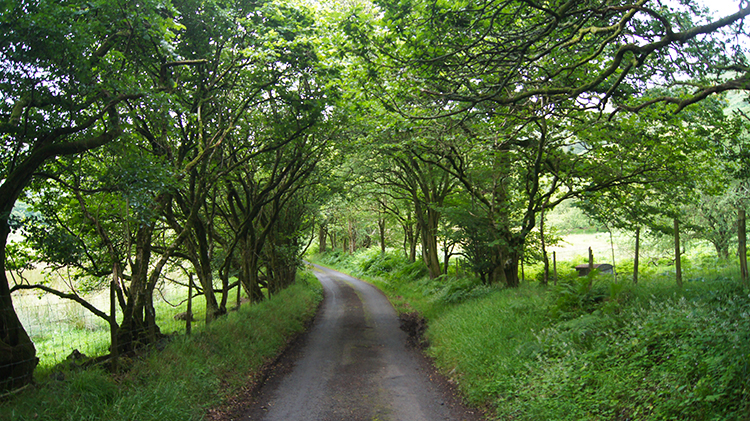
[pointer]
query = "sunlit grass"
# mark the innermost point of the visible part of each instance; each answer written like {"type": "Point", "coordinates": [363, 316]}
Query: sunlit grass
{"type": "Point", "coordinates": [59, 326]}
{"type": "Point", "coordinates": [650, 351]}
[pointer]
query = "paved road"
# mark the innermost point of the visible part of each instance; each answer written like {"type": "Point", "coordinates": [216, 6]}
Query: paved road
{"type": "Point", "coordinates": [354, 365]}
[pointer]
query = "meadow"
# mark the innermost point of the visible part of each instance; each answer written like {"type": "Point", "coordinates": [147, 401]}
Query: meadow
{"type": "Point", "coordinates": [61, 326]}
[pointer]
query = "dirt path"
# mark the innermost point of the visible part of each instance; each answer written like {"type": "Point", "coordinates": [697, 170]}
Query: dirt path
{"type": "Point", "coordinates": [354, 365]}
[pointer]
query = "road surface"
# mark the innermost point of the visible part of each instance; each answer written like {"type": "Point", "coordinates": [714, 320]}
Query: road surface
{"type": "Point", "coordinates": [353, 365]}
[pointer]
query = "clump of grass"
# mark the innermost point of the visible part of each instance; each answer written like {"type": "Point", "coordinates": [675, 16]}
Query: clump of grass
{"type": "Point", "coordinates": [191, 374]}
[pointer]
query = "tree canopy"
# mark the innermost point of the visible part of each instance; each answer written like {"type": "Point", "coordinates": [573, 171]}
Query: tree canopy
{"type": "Point", "coordinates": [218, 136]}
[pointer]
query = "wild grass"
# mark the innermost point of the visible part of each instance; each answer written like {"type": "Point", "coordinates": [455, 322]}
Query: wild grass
{"type": "Point", "coordinates": [190, 375]}
{"type": "Point", "coordinates": [58, 326]}
{"type": "Point", "coordinates": [612, 351]}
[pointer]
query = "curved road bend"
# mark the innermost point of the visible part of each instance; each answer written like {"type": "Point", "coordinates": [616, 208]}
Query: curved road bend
{"type": "Point", "coordinates": [354, 365]}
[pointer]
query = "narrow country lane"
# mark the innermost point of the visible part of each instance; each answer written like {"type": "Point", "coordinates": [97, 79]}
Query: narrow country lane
{"type": "Point", "coordinates": [354, 364]}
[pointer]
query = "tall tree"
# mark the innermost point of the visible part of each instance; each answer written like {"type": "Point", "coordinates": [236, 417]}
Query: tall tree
{"type": "Point", "coordinates": [68, 68]}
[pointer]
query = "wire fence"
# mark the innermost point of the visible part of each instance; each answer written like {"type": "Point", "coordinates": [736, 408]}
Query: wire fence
{"type": "Point", "coordinates": [63, 330]}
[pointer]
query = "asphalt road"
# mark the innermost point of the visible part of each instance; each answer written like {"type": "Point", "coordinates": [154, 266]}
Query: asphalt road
{"type": "Point", "coordinates": [354, 364]}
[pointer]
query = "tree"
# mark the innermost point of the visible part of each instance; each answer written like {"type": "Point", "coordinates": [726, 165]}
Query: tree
{"type": "Point", "coordinates": [540, 76]}
{"type": "Point", "coordinates": [426, 185]}
{"type": "Point", "coordinates": [68, 71]}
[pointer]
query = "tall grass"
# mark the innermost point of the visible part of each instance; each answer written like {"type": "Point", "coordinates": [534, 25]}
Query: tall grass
{"type": "Point", "coordinates": [613, 351]}
{"type": "Point", "coordinates": [59, 326]}
{"type": "Point", "coordinates": [190, 375]}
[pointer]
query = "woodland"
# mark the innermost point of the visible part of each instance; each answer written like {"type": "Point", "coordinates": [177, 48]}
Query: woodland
{"type": "Point", "coordinates": [211, 143]}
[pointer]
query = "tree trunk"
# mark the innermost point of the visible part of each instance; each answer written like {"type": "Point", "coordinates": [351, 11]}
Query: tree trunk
{"type": "Point", "coordinates": [410, 241]}
{"type": "Point", "coordinates": [742, 246]}
{"type": "Point", "coordinates": [17, 352]}
{"type": "Point", "coordinates": [189, 317]}
{"type": "Point", "coordinates": [430, 255]}
{"type": "Point", "coordinates": [322, 238]}
{"type": "Point", "coordinates": [249, 273]}
{"type": "Point", "coordinates": [447, 252]}
{"type": "Point", "coordinates": [677, 254]}
{"type": "Point", "coordinates": [113, 287]}
{"type": "Point", "coordinates": [202, 266]}
{"type": "Point", "coordinates": [135, 329]}
{"type": "Point", "coordinates": [332, 236]}
{"type": "Point", "coordinates": [591, 268]}
{"type": "Point", "coordinates": [381, 228]}
{"type": "Point", "coordinates": [722, 250]}
{"type": "Point", "coordinates": [352, 236]}
{"type": "Point", "coordinates": [511, 270]}
{"type": "Point", "coordinates": [554, 267]}
{"type": "Point", "coordinates": [612, 248]}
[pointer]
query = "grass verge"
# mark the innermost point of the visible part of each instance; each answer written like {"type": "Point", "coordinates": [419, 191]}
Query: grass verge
{"type": "Point", "coordinates": [189, 376]}
{"type": "Point", "coordinates": [613, 351]}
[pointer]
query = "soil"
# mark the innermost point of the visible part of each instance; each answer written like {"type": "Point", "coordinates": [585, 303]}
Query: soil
{"type": "Point", "coordinates": [354, 363]}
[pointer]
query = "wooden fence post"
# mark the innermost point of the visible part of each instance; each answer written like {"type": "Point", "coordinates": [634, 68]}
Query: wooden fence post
{"type": "Point", "coordinates": [189, 318]}
{"type": "Point", "coordinates": [554, 267]}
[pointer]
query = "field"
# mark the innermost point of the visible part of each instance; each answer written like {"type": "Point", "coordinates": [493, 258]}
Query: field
{"type": "Point", "coordinates": [59, 326]}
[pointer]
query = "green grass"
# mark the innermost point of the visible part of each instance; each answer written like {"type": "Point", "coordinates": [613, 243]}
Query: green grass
{"type": "Point", "coordinates": [58, 326]}
{"type": "Point", "coordinates": [567, 352]}
{"type": "Point", "coordinates": [192, 373]}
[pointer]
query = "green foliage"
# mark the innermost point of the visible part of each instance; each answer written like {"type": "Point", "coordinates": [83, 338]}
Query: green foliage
{"type": "Point", "coordinates": [574, 295]}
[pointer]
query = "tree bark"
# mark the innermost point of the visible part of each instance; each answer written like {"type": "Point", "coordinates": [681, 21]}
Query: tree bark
{"type": "Point", "coordinates": [249, 273]}
{"type": "Point", "coordinates": [139, 321]}
{"type": "Point", "coordinates": [429, 220]}
{"type": "Point", "coordinates": [322, 246]}
{"type": "Point", "coordinates": [410, 240]}
{"type": "Point", "coordinates": [204, 270]}
{"type": "Point", "coordinates": [591, 268]}
{"type": "Point", "coordinates": [381, 228]}
{"type": "Point", "coordinates": [554, 267]}
{"type": "Point", "coordinates": [352, 235]}
{"type": "Point", "coordinates": [17, 352]}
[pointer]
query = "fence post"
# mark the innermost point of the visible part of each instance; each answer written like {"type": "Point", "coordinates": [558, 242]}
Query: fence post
{"type": "Point", "coordinates": [591, 268]}
{"type": "Point", "coordinates": [554, 267]}
{"type": "Point", "coordinates": [239, 293]}
{"type": "Point", "coordinates": [189, 318]}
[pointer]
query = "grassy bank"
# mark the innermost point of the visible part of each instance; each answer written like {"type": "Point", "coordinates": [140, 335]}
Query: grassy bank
{"type": "Point", "coordinates": [180, 382]}
{"type": "Point", "coordinates": [567, 352]}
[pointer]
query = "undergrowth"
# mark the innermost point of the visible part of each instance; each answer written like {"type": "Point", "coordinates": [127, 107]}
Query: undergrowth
{"type": "Point", "coordinates": [180, 382]}
{"type": "Point", "coordinates": [589, 348]}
